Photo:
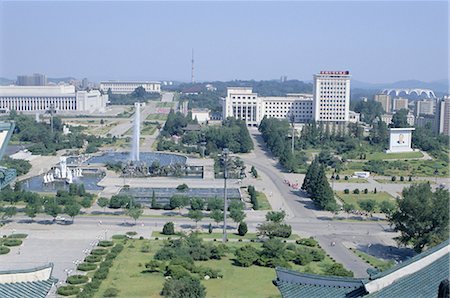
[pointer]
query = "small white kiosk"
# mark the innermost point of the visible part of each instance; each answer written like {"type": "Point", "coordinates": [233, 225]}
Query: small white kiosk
{"type": "Point", "coordinates": [400, 140]}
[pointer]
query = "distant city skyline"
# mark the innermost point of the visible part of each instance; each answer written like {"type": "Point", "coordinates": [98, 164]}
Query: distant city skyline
{"type": "Point", "coordinates": [378, 42]}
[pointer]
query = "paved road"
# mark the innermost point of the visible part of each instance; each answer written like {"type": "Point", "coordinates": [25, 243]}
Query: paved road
{"type": "Point", "coordinates": [303, 218]}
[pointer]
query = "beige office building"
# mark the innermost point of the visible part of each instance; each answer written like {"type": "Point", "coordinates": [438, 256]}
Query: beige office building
{"type": "Point", "coordinates": [399, 103]}
{"type": "Point", "coordinates": [385, 101]}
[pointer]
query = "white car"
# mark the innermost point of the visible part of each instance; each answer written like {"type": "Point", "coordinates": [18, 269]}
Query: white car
{"type": "Point", "coordinates": [60, 218]}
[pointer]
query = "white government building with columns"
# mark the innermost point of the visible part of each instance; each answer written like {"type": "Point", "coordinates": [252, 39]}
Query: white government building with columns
{"type": "Point", "coordinates": [62, 98]}
{"type": "Point", "coordinates": [329, 103]}
{"type": "Point", "coordinates": [127, 87]}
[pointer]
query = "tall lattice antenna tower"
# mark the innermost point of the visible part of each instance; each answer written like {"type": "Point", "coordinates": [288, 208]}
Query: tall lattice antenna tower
{"type": "Point", "coordinates": [192, 68]}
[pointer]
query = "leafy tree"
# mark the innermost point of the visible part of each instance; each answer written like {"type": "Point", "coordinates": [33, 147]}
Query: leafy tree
{"type": "Point", "coordinates": [254, 172]}
{"type": "Point", "coordinates": [216, 215]}
{"type": "Point", "coordinates": [338, 270]}
{"type": "Point", "coordinates": [135, 213]}
{"type": "Point", "coordinates": [387, 207]}
{"type": "Point", "coordinates": [169, 228]}
{"type": "Point", "coordinates": [31, 210]}
{"type": "Point", "coordinates": [369, 110]}
{"type": "Point", "coordinates": [184, 287]}
{"type": "Point", "coordinates": [72, 210]}
{"type": "Point", "coordinates": [322, 193]}
{"type": "Point", "coordinates": [246, 255]}
{"type": "Point", "coordinates": [195, 215]}
{"type": "Point", "coordinates": [9, 212]}
{"type": "Point", "coordinates": [237, 215]}
{"type": "Point", "coordinates": [197, 204]}
{"type": "Point", "coordinates": [242, 229]}
{"type": "Point", "coordinates": [400, 119]}
{"type": "Point", "coordinates": [273, 229]}
{"type": "Point", "coordinates": [103, 202]}
{"type": "Point", "coordinates": [178, 202]}
{"type": "Point", "coordinates": [52, 209]}
{"type": "Point", "coordinates": [348, 207]}
{"type": "Point", "coordinates": [422, 216]}
{"type": "Point", "coordinates": [276, 216]}
{"type": "Point", "coordinates": [368, 205]}
{"type": "Point", "coordinates": [215, 204]}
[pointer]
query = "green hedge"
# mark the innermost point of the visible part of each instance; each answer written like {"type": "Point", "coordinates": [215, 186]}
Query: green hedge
{"type": "Point", "coordinates": [77, 279]}
{"type": "Point", "coordinates": [119, 237]}
{"type": "Point", "coordinates": [4, 250]}
{"type": "Point", "coordinates": [12, 242]}
{"type": "Point", "coordinates": [68, 290]}
{"type": "Point", "coordinates": [18, 236]}
{"type": "Point", "coordinates": [93, 259]}
{"type": "Point", "coordinates": [87, 267]}
{"type": "Point", "coordinates": [105, 243]}
{"type": "Point", "coordinates": [99, 252]}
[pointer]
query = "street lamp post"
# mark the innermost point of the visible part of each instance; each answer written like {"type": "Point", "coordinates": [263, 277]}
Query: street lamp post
{"type": "Point", "coordinates": [225, 155]}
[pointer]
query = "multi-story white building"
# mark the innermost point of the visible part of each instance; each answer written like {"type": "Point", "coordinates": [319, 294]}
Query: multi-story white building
{"type": "Point", "coordinates": [387, 118]}
{"type": "Point", "coordinates": [442, 116]}
{"type": "Point", "coordinates": [243, 103]}
{"type": "Point", "coordinates": [331, 96]}
{"type": "Point", "coordinates": [62, 98]}
{"type": "Point", "coordinates": [124, 87]}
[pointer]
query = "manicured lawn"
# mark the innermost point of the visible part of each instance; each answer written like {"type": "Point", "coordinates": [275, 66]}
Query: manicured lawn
{"type": "Point", "coordinates": [148, 129]}
{"type": "Point", "coordinates": [262, 201]}
{"type": "Point", "coordinates": [127, 274]}
{"type": "Point", "coordinates": [355, 198]}
{"type": "Point", "coordinates": [162, 117]}
{"type": "Point", "coordinates": [382, 155]}
{"type": "Point", "coordinates": [373, 261]}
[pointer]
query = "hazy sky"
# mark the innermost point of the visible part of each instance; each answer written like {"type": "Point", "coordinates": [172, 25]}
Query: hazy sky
{"type": "Point", "coordinates": [376, 41]}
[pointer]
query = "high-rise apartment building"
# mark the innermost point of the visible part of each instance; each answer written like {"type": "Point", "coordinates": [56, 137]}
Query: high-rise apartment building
{"type": "Point", "coordinates": [425, 107]}
{"type": "Point", "coordinates": [400, 103]}
{"type": "Point", "coordinates": [442, 116]}
{"type": "Point", "coordinates": [385, 101]}
{"type": "Point", "coordinates": [36, 79]}
{"type": "Point", "coordinates": [331, 96]}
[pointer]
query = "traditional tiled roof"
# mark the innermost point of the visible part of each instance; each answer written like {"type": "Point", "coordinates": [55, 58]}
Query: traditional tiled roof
{"type": "Point", "coordinates": [420, 276]}
{"type": "Point", "coordinates": [35, 282]}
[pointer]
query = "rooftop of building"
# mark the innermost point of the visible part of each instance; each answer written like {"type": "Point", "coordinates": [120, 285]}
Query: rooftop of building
{"type": "Point", "coordinates": [129, 82]}
{"type": "Point", "coordinates": [420, 276]}
{"type": "Point", "coordinates": [36, 90]}
{"type": "Point", "coordinates": [35, 282]}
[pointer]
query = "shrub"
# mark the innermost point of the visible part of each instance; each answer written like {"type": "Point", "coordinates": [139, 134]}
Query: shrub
{"type": "Point", "coordinates": [346, 191]}
{"type": "Point", "coordinates": [101, 273]}
{"type": "Point", "coordinates": [18, 236]}
{"type": "Point", "coordinates": [105, 243]}
{"type": "Point", "coordinates": [87, 267]}
{"type": "Point", "coordinates": [4, 250]}
{"type": "Point", "coordinates": [117, 248]}
{"type": "Point", "coordinates": [176, 271]}
{"type": "Point", "coordinates": [242, 229]}
{"type": "Point", "coordinates": [338, 270]}
{"type": "Point", "coordinates": [131, 233]}
{"type": "Point", "coordinates": [119, 237]}
{"type": "Point", "coordinates": [393, 178]}
{"type": "Point", "coordinates": [169, 228]}
{"type": "Point", "coordinates": [317, 255]}
{"type": "Point", "coordinates": [99, 252]}
{"type": "Point", "coordinates": [68, 290]}
{"type": "Point", "coordinates": [111, 292]}
{"type": "Point", "coordinates": [246, 256]}
{"type": "Point", "coordinates": [402, 178]}
{"type": "Point", "coordinates": [145, 248]}
{"type": "Point", "coordinates": [93, 259]}
{"type": "Point", "coordinates": [183, 287]}
{"type": "Point", "coordinates": [311, 242]}
{"type": "Point", "coordinates": [346, 178]}
{"type": "Point", "coordinates": [12, 242]}
{"type": "Point", "coordinates": [356, 191]}
{"type": "Point", "coordinates": [77, 279]}
{"type": "Point", "coordinates": [303, 257]}
{"type": "Point", "coordinates": [366, 191]}
{"type": "Point", "coordinates": [111, 256]}
{"type": "Point", "coordinates": [105, 264]}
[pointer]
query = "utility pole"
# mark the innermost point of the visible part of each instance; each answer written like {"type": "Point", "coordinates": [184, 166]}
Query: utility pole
{"type": "Point", "coordinates": [225, 155]}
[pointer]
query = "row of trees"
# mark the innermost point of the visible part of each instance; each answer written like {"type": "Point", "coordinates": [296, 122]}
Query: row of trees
{"type": "Point", "coordinates": [317, 186]}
